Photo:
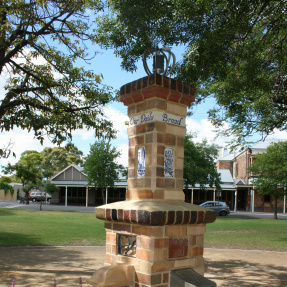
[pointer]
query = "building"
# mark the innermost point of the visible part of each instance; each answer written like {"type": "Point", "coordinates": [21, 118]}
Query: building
{"type": "Point", "coordinates": [246, 198]}
{"type": "Point", "coordinates": [236, 189]}
{"type": "Point", "coordinates": [74, 188]}
{"type": "Point", "coordinates": [195, 195]}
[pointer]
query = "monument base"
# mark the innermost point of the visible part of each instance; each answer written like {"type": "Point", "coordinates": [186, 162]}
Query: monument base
{"type": "Point", "coordinates": [156, 237]}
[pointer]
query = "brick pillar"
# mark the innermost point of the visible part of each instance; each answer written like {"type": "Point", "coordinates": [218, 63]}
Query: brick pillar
{"type": "Point", "coordinates": [168, 232]}
{"type": "Point", "coordinates": [157, 108]}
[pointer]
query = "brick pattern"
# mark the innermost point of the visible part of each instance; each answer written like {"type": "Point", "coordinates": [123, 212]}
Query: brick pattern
{"type": "Point", "coordinates": [156, 218]}
{"type": "Point", "coordinates": [155, 136]}
{"type": "Point", "coordinates": [169, 234]}
{"type": "Point", "coordinates": [157, 86]}
{"type": "Point", "coordinates": [152, 259]}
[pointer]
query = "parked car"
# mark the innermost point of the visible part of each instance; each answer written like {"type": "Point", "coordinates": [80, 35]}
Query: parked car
{"type": "Point", "coordinates": [39, 196]}
{"type": "Point", "coordinates": [220, 207]}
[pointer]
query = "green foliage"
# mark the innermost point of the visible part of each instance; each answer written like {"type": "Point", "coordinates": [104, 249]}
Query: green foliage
{"type": "Point", "coordinates": [100, 165]}
{"type": "Point", "coordinates": [7, 188]}
{"type": "Point", "coordinates": [271, 169]}
{"type": "Point", "coordinates": [235, 51]}
{"type": "Point", "coordinates": [57, 158]}
{"type": "Point", "coordinates": [27, 169]}
{"type": "Point", "coordinates": [43, 45]}
{"type": "Point", "coordinates": [6, 179]}
{"type": "Point", "coordinates": [199, 164]}
{"type": "Point", "coordinates": [50, 187]}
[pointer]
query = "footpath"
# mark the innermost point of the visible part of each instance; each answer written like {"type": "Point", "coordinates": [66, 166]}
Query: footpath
{"type": "Point", "coordinates": [39, 266]}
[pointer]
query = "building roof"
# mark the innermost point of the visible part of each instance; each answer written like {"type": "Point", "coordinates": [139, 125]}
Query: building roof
{"type": "Point", "coordinates": [79, 168]}
{"type": "Point", "coordinates": [264, 144]}
{"type": "Point", "coordinates": [259, 145]}
{"type": "Point", "coordinates": [225, 176]}
{"type": "Point", "coordinates": [226, 179]}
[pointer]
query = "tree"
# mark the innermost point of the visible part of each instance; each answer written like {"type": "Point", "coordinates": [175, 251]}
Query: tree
{"type": "Point", "coordinates": [235, 51]}
{"type": "Point", "coordinates": [42, 51]}
{"type": "Point", "coordinates": [57, 158]}
{"type": "Point", "coordinates": [27, 169]}
{"type": "Point", "coordinates": [199, 164]}
{"type": "Point", "coordinates": [6, 187]}
{"type": "Point", "coordinates": [6, 179]}
{"type": "Point", "coordinates": [100, 166]}
{"type": "Point", "coordinates": [271, 167]}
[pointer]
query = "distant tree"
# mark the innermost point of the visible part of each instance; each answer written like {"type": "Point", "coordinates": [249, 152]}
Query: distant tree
{"type": "Point", "coordinates": [50, 187]}
{"type": "Point", "coordinates": [101, 167]}
{"type": "Point", "coordinates": [57, 158]}
{"type": "Point", "coordinates": [271, 169]}
{"type": "Point", "coordinates": [6, 179]}
{"type": "Point", "coordinates": [27, 169]}
{"type": "Point", "coordinates": [199, 164]}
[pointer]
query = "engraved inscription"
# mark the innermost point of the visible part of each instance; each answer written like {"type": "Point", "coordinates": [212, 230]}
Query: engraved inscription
{"type": "Point", "coordinates": [157, 116]}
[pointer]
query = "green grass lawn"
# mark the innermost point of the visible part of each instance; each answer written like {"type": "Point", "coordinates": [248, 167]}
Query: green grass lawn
{"type": "Point", "coordinates": [247, 233]}
{"type": "Point", "coordinates": [35, 227]}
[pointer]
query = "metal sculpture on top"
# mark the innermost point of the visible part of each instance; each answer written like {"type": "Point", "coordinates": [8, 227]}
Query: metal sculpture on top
{"type": "Point", "coordinates": [161, 61]}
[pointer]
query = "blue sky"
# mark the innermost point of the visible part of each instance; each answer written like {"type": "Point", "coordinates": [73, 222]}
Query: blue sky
{"type": "Point", "coordinates": [109, 66]}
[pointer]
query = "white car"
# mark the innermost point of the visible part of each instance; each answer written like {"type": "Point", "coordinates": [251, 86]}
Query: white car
{"type": "Point", "coordinates": [39, 196]}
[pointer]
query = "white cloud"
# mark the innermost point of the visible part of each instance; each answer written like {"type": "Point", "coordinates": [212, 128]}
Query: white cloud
{"type": "Point", "coordinates": [22, 140]}
{"type": "Point", "coordinates": [118, 119]}
{"type": "Point", "coordinates": [277, 134]}
{"type": "Point", "coordinates": [205, 129]}
{"type": "Point", "coordinates": [123, 159]}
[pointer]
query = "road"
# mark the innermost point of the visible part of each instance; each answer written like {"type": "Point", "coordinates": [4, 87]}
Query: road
{"type": "Point", "coordinates": [16, 204]}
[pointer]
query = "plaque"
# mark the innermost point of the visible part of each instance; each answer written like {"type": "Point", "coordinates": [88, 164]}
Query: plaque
{"type": "Point", "coordinates": [168, 162]}
{"type": "Point", "coordinates": [141, 162]}
{"type": "Point", "coordinates": [178, 247]}
{"type": "Point", "coordinates": [157, 116]}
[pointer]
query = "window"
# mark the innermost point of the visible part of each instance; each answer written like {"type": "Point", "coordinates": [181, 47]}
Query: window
{"type": "Point", "coordinates": [267, 198]}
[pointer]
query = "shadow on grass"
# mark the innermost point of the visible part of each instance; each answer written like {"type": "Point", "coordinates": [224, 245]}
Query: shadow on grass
{"type": "Point", "coordinates": [245, 274]}
{"type": "Point", "coordinates": [6, 212]}
{"type": "Point", "coordinates": [15, 239]}
{"type": "Point", "coordinates": [39, 266]}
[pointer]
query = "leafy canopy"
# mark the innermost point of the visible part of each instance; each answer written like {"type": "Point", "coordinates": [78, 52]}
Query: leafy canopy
{"type": "Point", "coordinates": [235, 51]}
{"type": "Point", "coordinates": [57, 158]}
{"type": "Point", "coordinates": [100, 165]}
{"type": "Point", "coordinates": [43, 46]}
{"type": "Point", "coordinates": [271, 170]}
{"type": "Point", "coordinates": [27, 169]}
{"type": "Point", "coordinates": [199, 164]}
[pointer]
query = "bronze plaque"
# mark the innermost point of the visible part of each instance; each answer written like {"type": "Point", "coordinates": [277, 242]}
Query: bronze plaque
{"type": "Point", "coordinates": [178, 247]}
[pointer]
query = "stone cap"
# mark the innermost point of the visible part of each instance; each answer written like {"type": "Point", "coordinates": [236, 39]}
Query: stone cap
{"type": "Point", "coordinates": [155, 212]}
{"type": "Point", "coordinates": [158, 86]}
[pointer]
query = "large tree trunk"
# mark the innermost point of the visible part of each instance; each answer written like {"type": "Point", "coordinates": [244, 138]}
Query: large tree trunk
{"type": "Point", "coordinates": [275, 208]}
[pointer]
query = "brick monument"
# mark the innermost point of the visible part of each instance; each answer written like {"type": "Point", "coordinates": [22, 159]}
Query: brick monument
{"type": "Point", "coordinates": [154, 229]}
